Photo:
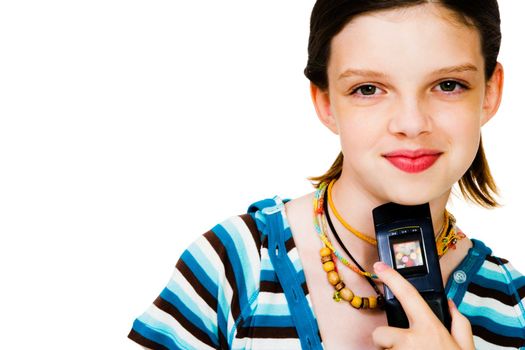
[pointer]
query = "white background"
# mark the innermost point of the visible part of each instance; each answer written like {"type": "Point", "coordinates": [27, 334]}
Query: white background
{"type": "Point", "coordinates": [128, 128]}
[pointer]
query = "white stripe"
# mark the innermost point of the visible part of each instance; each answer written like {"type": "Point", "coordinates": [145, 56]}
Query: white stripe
{"type": "Point", "coordinates": [499, 269]}
{"type": "Point", "coordinates": [489, 265]}
{"type": "Point", "coordinates": [272, 298]}
{"type": "Point", "coordinates": [266, 343]}
{"type": "Point", "coordinates": [210, 315]}
{"type": "Point", "coordinates": [496, 305]}
{"type": "Point", "coordinates": [294, 258]}
{"type": "Point", "coordinates": [175, 327]}
{"type": "Point", "coordinates": [224, 286]}
{"type": "Point", "coordinates": [481, 344]}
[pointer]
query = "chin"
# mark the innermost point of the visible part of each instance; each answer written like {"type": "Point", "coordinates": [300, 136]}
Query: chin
{"type": "Point", "coordinates": [412, 197]}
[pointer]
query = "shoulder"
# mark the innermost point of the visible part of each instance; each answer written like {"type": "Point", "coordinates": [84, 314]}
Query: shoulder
{"type": "Point", "coordinates": [493, 299]}
{"type": "Point", "coordinates": [496, 271]}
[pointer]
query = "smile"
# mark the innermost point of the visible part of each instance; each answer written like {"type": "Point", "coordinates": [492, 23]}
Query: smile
{"type": "Point", "coordinates": [413, 161]}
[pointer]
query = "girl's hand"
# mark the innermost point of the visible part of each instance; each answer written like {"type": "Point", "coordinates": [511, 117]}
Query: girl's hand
{"type": "Point", "coordinates": [426, 330]}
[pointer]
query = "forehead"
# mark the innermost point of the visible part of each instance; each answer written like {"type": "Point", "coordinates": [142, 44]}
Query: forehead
{"type": "Point", "coordinates": [412, 40]}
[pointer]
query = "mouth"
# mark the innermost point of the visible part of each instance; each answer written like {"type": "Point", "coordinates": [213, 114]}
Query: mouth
{"type": "Point", "coordinates": [413, 161]}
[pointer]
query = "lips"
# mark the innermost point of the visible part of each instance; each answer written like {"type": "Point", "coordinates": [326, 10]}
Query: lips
{"type": "Point", "coordinates": [413, 161]}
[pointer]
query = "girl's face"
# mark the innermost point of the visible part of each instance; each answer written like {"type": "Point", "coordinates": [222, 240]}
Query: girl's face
{"type": "Point", "coordinates": [401, 81]}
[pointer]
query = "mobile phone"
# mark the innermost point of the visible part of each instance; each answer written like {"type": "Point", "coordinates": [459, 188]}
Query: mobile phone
{"type": "Point", "coordinates": [406, 242]}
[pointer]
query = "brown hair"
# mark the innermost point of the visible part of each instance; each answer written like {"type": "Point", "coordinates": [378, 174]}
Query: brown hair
{"type": "Point", "coordinates": [329, 17]}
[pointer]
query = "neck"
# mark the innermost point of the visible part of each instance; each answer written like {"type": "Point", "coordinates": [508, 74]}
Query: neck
{"type": "Point", "coordinates": [355, 208]}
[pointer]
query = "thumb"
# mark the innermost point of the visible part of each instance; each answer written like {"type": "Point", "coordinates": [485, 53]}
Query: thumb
{"type": "Point", "coordinates": [460, 329]}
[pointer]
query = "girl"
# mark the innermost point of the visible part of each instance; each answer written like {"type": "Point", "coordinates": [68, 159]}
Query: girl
{"type": "Point", "coordinates": [407, 86]}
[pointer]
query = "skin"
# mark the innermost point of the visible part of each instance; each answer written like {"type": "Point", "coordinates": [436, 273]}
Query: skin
{"type": "Point", "coordinates": [431, 94]}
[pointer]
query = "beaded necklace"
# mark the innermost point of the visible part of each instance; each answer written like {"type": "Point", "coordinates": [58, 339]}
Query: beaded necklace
{"type": "Point", "coordinates": [329, 255]}
{"type": "Point", "coordinates": [447, 238]}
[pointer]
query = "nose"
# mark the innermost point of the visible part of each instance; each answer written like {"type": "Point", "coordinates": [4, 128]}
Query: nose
{"type": "Point", "coordinates": [410, 119]}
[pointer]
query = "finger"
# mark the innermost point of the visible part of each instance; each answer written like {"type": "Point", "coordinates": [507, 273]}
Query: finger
{"type": "Point", "coordinates": [388, 337]}
{"type": "Point", "coordinates": [460, 328]}
{"type": "Point", "coordinates": [416, 308]}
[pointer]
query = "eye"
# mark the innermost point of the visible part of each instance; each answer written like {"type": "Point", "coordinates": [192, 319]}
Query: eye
{"type": "Point", "coordinates": [452, 86]}
{"type": "Point", "coordinates": [365, 90]}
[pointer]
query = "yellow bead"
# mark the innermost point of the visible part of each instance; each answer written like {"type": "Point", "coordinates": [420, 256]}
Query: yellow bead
{"type": "Point", "coordinates": [346, 294]}
{"type": "Point", "coordinates": [326, 251]}
{"type": "Point", "coordinates": [333, 278]}
{"type": "Point", "coordinates": [372, 302]}
{"type": "Point", "coordinates": [329, 266]}
{"type": "Point", "coordinates": [356, 301]}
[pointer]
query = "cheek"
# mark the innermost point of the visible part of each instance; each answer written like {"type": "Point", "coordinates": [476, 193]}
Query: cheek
{"type": "Point", "coordinates": [465, 144]}
{"type": "Point", "coordinates": [359, 133]}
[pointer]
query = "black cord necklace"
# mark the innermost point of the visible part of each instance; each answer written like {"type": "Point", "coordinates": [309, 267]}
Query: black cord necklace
{"type": "Point", "coordinates": [380, 297]}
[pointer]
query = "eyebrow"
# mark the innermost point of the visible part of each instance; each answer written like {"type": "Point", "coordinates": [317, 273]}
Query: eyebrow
{"type": "Point", "coordinates": [374, 74]}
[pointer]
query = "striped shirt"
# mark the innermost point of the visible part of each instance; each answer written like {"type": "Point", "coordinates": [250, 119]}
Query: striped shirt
{"type": "Point", "coordinates": [233, 288]}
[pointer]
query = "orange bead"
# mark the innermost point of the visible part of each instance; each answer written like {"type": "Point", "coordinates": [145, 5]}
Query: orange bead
{"type": "Point", "coordinates": [372, 302]}
{"type": "Point", "coordinates": [329, 266]}
{"type": "Point", "coordinates": [333, 278]}
{"type": "Point", "coordinates": [365, 304]}
{"type": "Point", "coordinates": [325, 251]}
{"type": "Point", "coordinates": [356, 301]}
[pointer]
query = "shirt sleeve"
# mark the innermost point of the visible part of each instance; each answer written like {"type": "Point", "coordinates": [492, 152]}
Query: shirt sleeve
{"type": "Point", "coordinates": [211, 290]}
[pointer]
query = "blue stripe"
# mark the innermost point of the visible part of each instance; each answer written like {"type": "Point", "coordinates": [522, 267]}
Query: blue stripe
{"type": "Point", "coordinates": [200, 268]}
{"type": "Point", "coordinates": [244, 251]}
{"type": "Point", "coordinates": [496, 327]}
{"type": "Point", "coordinates": [273, 309]}
{"type": "Point", "coordinates": [161, 334]}
{"type": "Point", "coordinates": [268, 276]}
{"type": "Point", "coordinates": [235, 261]}
{"type": "Point", "coordinates": [487, 312]}
{"type": "Point", "coordinates": [515, 274]}
{"type": "Point", "coordinates": [208, 274]}
{"type": "Point", "coordinates": [266, 264]}
{"type": "Point", "coordinates": [492, 275]}
{"type": "Point", "coordinates": [186, 306]}
{"type": "Point", "coordinates": [512, 287]}
{"type": "Point", "coordinates": [270, 321]}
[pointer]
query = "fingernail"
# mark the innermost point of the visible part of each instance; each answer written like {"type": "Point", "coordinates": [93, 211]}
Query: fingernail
{"type": "Point", "coordinates": [380, 266]}
{"type": "Point", "coordinates": [451, 304]}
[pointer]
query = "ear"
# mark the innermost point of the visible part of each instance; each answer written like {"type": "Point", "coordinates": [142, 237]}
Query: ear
{"type": "Point", "coordinates": [321, 100]}
{"type": "Point", "coordinates": [493, 92]}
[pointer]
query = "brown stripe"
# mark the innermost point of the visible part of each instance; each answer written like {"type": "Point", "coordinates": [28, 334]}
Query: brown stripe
{"type": "Point", "coordinates": [190, 327]}
{"type": "Point", "coordinates": [483, 292]}
{"type": "Point", "coordinates": [252, 226]}
{"type": "Point", "coordinates": [275, 287]}
{"type": "Point", "coordinates": [290, 244]}
{"type": "Point", "coordinates": [497, 339]}
{"type": "Point", "coordinates": [228, 270]}
{"type": "Point", "coordinates": [495, 260]}
{"type": "Point", "coordinates": [223, 342]}
{"type": "Point", "coordinates": [267, 332]}
{"type": "Point", "coordinates": [196, 284]}
{"type": "Point", "coordinates": [270, 287]}
{"type": "Point", "coordinates": [139, 339]}
{"type": "Point", "coordinates": [305, 288]}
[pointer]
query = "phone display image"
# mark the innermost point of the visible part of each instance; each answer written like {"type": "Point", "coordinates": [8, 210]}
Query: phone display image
{"type": "Point", "coordinates": [407, 254]}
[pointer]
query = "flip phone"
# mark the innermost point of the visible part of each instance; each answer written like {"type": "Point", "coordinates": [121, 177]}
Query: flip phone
{"type": "Point", "coordinates": [406, 242]}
